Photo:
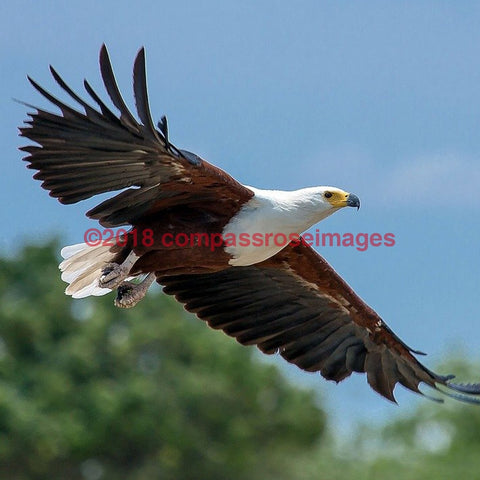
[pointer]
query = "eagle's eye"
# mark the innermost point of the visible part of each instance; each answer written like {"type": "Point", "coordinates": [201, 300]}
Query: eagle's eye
{"type": "Point", "coordinates": [328, 194]}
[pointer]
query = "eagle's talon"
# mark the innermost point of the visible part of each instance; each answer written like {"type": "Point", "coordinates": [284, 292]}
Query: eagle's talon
{"type": "Point", "coordinates": [113, 275]}
{"type": "Point", "coordinates": [126, 295]}
{"type": "Point", "coordinates": [130, 293]}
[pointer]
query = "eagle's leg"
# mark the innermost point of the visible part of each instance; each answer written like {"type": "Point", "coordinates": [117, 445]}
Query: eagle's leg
{"type": "Point", "coordinates": [130, 293]}
{"type": "Point", "coordinates": [113, 274]}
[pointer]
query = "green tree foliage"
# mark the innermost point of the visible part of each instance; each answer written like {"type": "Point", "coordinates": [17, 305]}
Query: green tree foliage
{"type": "Point", "coordinates": [91, 391]}
{"type": "Point", "coordinates": [432, 442]}
{"type": "Point", "coordinates": [439, 442]}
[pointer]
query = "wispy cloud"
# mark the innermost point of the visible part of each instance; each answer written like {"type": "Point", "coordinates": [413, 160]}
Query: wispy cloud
{"type": "Point", "coordinates": [446, 179]}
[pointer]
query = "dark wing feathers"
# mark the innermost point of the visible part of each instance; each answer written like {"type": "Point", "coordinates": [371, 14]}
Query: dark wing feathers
{"type": "Point", "coordinates": [89, 111]}
{"type": "Point", "coordinates": [113, 91]}
{"type": "Point", "coordinates": [82, 154]}
{"type": "Point", "coordinates": [296, 304]}
{"type": "Point", "coordinates": [141, 96]}
{"type": "Point", "coordinates": [107, 113]}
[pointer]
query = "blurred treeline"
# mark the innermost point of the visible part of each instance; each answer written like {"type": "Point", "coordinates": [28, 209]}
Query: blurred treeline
{"type": "Point", "coordinates": [89, 391]}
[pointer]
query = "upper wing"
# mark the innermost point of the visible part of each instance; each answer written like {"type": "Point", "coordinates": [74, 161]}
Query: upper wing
{"type": "Point", "coordinates": [297, 305]}
{"type": "Point", "coordinates": [85, 154]}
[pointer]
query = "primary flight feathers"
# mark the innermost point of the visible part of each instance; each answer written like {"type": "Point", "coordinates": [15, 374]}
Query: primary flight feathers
{"type": "Point", "coordinates": [284, 299]}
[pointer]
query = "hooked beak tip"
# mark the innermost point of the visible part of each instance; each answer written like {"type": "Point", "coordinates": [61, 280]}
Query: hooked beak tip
{"type": "Point", "coordinates": [353, 201]}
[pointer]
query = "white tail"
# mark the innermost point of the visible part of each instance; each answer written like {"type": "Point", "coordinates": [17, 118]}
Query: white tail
{"type": "Point", "coordinates": [82, 268]}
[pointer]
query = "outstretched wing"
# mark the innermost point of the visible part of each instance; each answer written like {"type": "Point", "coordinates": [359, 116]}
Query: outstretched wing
{"type": "Point", "coordinates": [82, 154]}
{"type": "Point", "coordinates": [297, 305]}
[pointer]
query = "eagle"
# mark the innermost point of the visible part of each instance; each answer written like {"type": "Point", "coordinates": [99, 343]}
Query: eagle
{"type": "Point", "coordinates": [281, 296]}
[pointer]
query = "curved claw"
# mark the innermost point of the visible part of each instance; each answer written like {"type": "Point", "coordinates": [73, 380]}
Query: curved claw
{"type": "Point", "coordinates": [130, 293]}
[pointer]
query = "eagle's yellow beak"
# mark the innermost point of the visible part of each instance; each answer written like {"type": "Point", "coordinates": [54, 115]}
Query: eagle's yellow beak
{"type": "Point", "coordinates": [339, 199]}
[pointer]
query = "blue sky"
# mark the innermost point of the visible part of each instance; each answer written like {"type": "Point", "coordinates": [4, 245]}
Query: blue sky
{"type": "Point", "coordinates": [378, 98]}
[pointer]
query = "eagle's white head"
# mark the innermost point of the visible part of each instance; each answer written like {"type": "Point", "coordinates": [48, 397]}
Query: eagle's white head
{"type": "Point", "coordinates": [313, 204]}
{"type": "Point", "coordinates": [328, 197]}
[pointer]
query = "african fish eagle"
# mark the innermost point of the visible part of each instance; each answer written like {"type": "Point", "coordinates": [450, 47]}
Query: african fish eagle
{"type": "Point", "coordinates": [281, 298]}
